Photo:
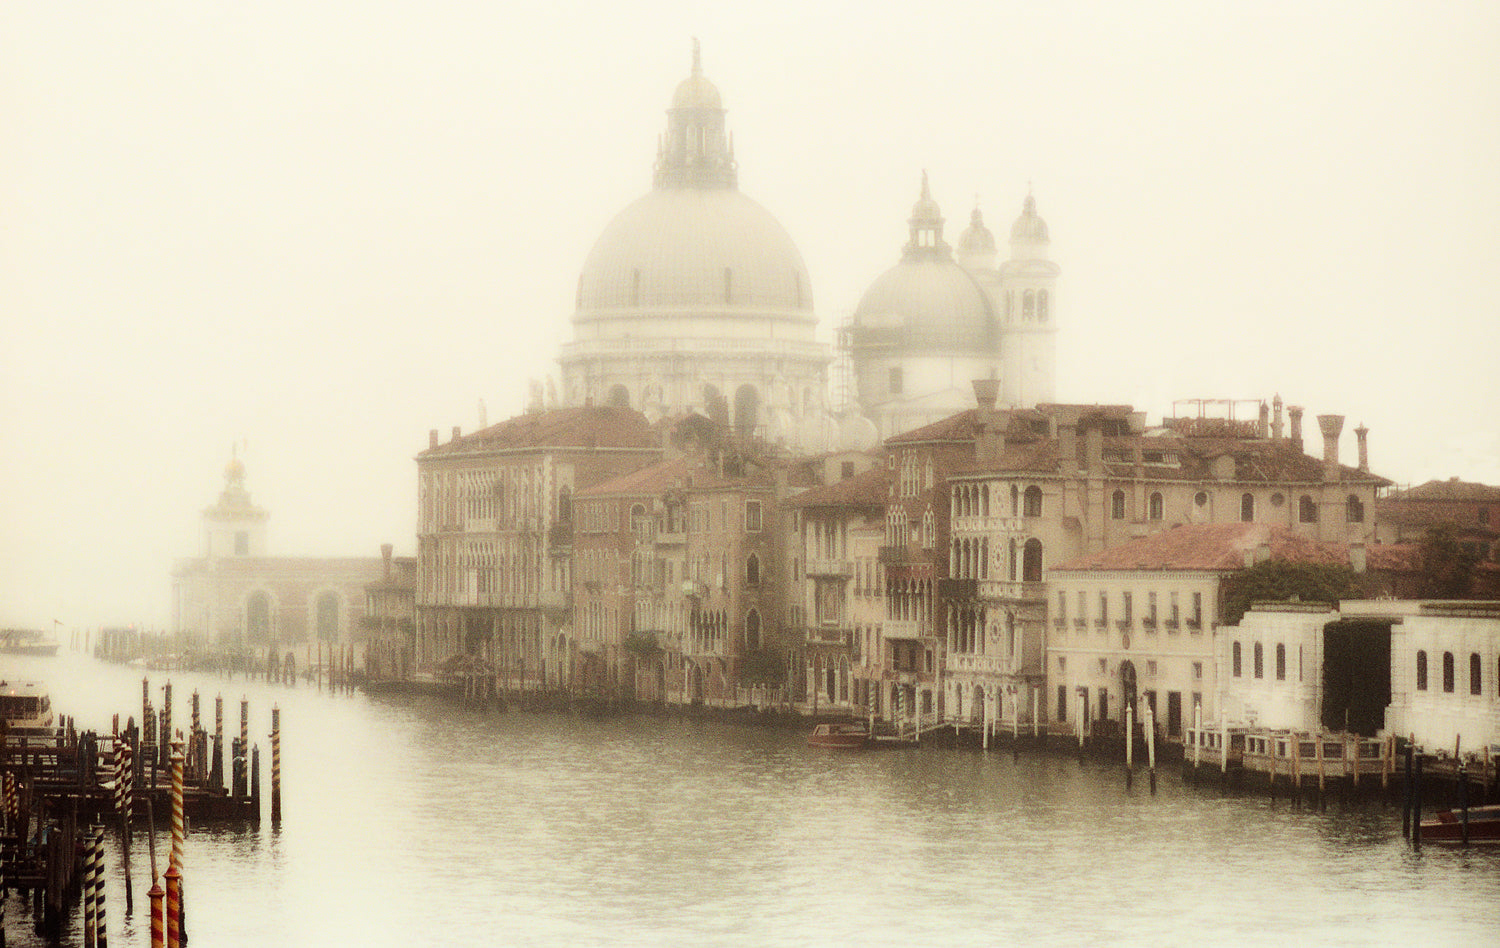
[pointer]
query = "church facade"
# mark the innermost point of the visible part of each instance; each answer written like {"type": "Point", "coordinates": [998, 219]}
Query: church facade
{"type": "Point", "coordinates": [234, 594]}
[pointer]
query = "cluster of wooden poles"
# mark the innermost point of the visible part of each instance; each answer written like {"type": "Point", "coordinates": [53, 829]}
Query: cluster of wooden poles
{"type": "Point", "coordinates": [74, 772]}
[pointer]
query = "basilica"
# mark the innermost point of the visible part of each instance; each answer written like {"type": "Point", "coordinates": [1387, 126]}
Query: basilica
{"type": "Point", "coordinates": [695, 299]}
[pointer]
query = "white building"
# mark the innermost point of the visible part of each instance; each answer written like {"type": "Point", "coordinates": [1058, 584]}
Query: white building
{"type": "Point", "coordinates": [695, 298]}
{"type": "Point", "coordinates": [1445, 673]}
{"type": "Point", "coordinates": [931, 324]}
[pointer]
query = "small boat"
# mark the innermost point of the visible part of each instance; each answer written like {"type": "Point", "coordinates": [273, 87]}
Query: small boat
{"type": "Point", "coordinates": [26, 642]}
{"type": "Point", "coordinates": [25, 708]}
{"type": "Point", "coordinates": [839, 736]}
{"type": "Point", "coordinates": [1447, 825]}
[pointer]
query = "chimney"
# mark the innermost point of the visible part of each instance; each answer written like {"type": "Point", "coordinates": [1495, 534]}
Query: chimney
{"type": "Point", "coordinates": [1364, 449]}
{"type": "Point", "coordinates": [1295, 411]}
{"type": "Point", "coordinates": [457, 431]}
{"type": "Point", "coordinates": [385, 554]}
{"type": "Point", "coordinates": [1357, 556]}
{"type": "Point", "coordinates": [1332, 426]}
{"type": "Point", "coordinates": [1265, 421]}
{"type": "Point", "coordinates": [1067, 446]}
{"type": "Point", "coordinates": [1093, 447]}
{"type": "Point", "coordinates": [432, 440]}
{"type": "Point", "coordinates": [1276, 418]}
{"type": "Point", "coordinates": [986, 391]}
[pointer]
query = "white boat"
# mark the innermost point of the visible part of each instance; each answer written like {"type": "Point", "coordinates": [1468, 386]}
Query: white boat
{"type": "Point", "coordinates": [25, 708]}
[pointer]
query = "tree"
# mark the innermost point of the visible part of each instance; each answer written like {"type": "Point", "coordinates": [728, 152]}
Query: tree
{"type": "Point", "coordinates": [1280, 581]}
{"type": "Point", "coordinates": [1447, 564]}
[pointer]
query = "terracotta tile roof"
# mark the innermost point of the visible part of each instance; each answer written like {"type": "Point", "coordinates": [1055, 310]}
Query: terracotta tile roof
{"type": "Point", "coordinates": [959, 427]}
{"type": "Point", "coordinates": [653, 479]}
{"type": "Point", "coordinates": [1222, 546]}
{"type": "Point", "coordinates": [868, 489]}
{"type": "Point", "coordinates": [593, 426]}
{"type": "Point", "coordinates": [1451, 489]}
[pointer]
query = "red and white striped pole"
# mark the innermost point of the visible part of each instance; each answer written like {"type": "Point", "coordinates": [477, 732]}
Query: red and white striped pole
{"type": "Point", "coordinates": [179, 833]}
{"type": "Point", "coordinates": [158, 926]}
{"type": "Point", "coordinates": [102, 939]}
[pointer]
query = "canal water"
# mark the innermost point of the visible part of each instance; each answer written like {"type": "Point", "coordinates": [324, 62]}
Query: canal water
{"type": "Point", "coordinates": [410, 821]}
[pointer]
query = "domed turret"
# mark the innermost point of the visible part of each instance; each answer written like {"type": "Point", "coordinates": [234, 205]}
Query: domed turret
{"type": "Point", "coordinates": [1028, 235]}
{"type": "Point", "coordinates": [976, 245]}
{"type": "Point", "coordinates": [696, 92]}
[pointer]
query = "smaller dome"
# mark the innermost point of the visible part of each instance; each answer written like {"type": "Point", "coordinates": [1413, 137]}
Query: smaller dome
{"type": "Point", "coordinates": [926, 209]}
{"type": "Point", "coordinates": [234, 471]}
{"type": "Point", "coordinates": [1029, 227]}
{"type": "Point", "coordinates": [976, 238]}
{"type": "Point", "coordinates": [931, 303]}
{"type": "Point", "coordinates": [696, 92]}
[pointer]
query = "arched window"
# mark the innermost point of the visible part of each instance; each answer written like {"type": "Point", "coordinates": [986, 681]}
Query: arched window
{"type": "Point", "coordinates": [1280, 662]}
{"type": "Point", "coordinates": [1307, 511]}
{"type": "Point", "coordinates": [1117, 505]}
{"type": "Point", "coordinates": [1031, 567]}
{"type": "Point", "coordinates": [1013, 564]}
{"type": "Point", "coordinates": [1235, 659]}
{"type": "Point", "coordinates": [1421, 671]}
{"type": "Point", "coordinates": [752, 570]}
{"type": "Point", "coordinates": [1155, 508]}
{"type": "Point", "coordinates": [1260, 669]}
{"type": "Point", "coordinates": [752, 630]}
{"type": "Point", "coordinates": [1041, 306]}
{"type": "Point", "coordinates": [1354, 511]}
{"type": "Point", "coordinates": [1015, 501]}
{"type": "Point", "coordinates": [1247, 508]}
{"type": "Point", "coordinates": [1476, 684]}
{"type": "Point", "coordinates": [985, 501]}
{"type": "Point", "coordinates": [984, 558]}
{"type": "Point", "coordinates": [1448, 672]}
{"type": "Point", "coordinates": [1028, 304]}
{"type": "Point", "coordinates": [1033, 497]}
{"type": "Point", "coordinates": [619, 396]}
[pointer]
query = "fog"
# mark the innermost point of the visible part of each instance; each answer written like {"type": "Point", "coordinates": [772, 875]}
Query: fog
{"type": "Point", "coordinates": [316, 230]}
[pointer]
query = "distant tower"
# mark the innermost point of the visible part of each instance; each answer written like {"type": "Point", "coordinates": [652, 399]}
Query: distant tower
{"type": "Point", "coordinates": [234, 526]}
{"type": "Point", "coordinates": [1027, 301]}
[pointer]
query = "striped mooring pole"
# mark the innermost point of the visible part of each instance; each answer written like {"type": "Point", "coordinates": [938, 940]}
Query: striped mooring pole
{"type": "Point", "coordinates": [244, 722]}
{"type": "Point", "coordinates": [174, 908]}
{"type": "Point", "coordinates": [166, 717]}
{"type": "Point", "coordinates": [275, 764]}
{"type": "Point", "coordinates": [158, 926]}
{"type": "Point", "coordinates": [124, 787]}
{"type": "Point", "coordinates": [179, 833]}
{"type": "Point", "coordinates": [90, 868]}
{"type": "Point", "coordinates": [102, 939]}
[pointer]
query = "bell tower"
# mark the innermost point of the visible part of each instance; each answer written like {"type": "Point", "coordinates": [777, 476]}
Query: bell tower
{"type": "Point", "coordinates": [1028, 313]}
{"type": "Point", "coordinates": [234, 527]}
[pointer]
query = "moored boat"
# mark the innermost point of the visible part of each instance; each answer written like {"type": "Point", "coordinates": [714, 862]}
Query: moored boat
{"type": "Point", "coordinates": [1447, 826]}
{"type": "Point", "coordinates": [25, 708]}
{"type": "Point", "coordinates": [839, 736]}
{"type": "Point", "coordinates": [26, 642]}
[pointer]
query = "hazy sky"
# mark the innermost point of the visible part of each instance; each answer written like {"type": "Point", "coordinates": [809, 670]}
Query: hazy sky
{"type": "Point", "coordinates": [322, 228]}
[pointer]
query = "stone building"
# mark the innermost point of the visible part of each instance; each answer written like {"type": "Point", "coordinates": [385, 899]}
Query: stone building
{"type": "Point", "coordinates": [390, 618]}
{"type": "Point", "coordinates": [934, 322]}
{"type": "Point", "coordinates": [495, 526]}
{"type": "Point", "coordinates": [694, 298]}
{"type": "Point", "coordinates": [236, 594]}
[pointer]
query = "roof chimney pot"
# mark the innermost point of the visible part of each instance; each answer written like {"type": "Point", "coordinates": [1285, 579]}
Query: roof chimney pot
{"type": "Point", "coordinates": [1332, 426]}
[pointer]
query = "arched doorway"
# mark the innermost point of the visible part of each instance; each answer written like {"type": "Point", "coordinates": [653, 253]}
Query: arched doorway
{"type": "Point", "coordinates": [619, 396]}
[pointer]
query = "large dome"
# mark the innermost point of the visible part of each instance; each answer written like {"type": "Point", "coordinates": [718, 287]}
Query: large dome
{"type": "Point", "coordinates": [694, 247]}
{"type": "Point", "coordinates": [928, 303]}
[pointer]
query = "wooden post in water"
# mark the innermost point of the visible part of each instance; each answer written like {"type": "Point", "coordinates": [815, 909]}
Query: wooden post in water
{"type": "Point", "coordinates": [1416, 804]}
{"type": "Point", "coordinates": [123, 774]}
{"type": "Point", "coordinates": [1150, 722]}
{"type": "Point", "coordinates": [275, 765]}
{"type": "Point", "coordinates": [1406, 795]}
{"type": "Point", "coordinates": [102, 939]}
{"type": "Point", "coordinates": [174, 907]}
{"type": "Point", "coordinates": [1197, 736]}
{"type": "Point", "coordinates": [244, 724]}
{"type": "Point", "coordinates": [217, 776]}
{"type": "Point", "coordinates": [90, 922]}
{"type": "Point", "coordinates": [158, 922]}
{"type": "Point", "coordinates": [179, 836]}
{"type": "Point", "coordinates": [1463, 804]}
{"type": "Point", "coordinates": [1129, 746]}
{"type": "Point", "coordinates": [1321, 770]}
{"type": "Point", "coordinates": [1296, 747]}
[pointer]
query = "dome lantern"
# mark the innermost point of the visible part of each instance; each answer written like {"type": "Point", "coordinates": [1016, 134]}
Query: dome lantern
{"type": "Point", "coordinates": [926, 224]}
{"type": "Point", "coordinates": [696, 152]}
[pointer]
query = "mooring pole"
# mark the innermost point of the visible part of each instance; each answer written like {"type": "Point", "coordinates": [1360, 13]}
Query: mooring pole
{"type": "Point", "coordinates": [1129, 745]}
{"type": "Point", "coordinates": [102, 939]}
{"type": "Point", "coordinates": [1463, 803]}
{"type": "Point", "coordinates": [1416, 805]}
{"type": "Point", "coordinates": [1406, 796]}
{"type": "Point", "coordinates": [275, 765]}
{"type": "Point", "coordinates": [1151, 745]}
